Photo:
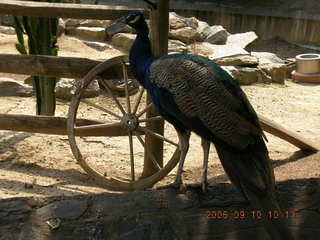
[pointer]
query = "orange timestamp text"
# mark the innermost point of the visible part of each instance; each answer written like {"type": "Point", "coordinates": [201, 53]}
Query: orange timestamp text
{"type": "Point", "coordinates": [254, 214]}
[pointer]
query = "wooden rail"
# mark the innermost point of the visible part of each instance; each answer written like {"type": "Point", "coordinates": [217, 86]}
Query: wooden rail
{"type": "Point", "coordinates": [63, 10]}
{"type": "Point", "coordinates": [46, 66]}
{"type": "Point", "coordinates": [55, 126]}
{"type": "Point", "coordinates": [287, 135]}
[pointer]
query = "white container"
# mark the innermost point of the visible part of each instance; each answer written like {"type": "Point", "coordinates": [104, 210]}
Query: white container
{"type": "Point", "coordinates": [308, 63]}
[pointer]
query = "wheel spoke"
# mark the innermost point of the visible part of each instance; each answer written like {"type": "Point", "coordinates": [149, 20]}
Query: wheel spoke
{"type": "Point", "coordinates": [126, 86]}
{"type": "Point", "coordinates": [145, 110]}
{"type": "Point", "coordinates": [146, 130]}
{"type": "Point", "coordinates": [98, 126]}
{"type": "Point", "coordinates": [157, 118]}
{"type": "Point", "coordinates": [150, 154]}
{"type": "Point", "coordinates": [113, 97]}
{"type": "Point", "coordinates": [131, 156]}
{"type": "Point", "coordinates": [141, 91]}
{"type": "Point", "coordinates": [100, 108]}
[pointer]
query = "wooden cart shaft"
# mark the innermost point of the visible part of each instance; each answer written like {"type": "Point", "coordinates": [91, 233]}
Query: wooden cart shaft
{"type": "Point", "coordinates": [57, 126]}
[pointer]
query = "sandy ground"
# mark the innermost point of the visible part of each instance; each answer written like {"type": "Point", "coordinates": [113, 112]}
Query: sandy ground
{"type": "Point", "coordinates": [43, 165]}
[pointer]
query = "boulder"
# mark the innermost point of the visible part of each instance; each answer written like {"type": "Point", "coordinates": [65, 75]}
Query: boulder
{"type": "Point", "coordinates": [244, 40]}
{"type": "Point", "coordinates": [176, 21]}
{"type": "Point", "coordinates": [276, 71]}
{"type": "Point", "coordinates": [221, 51]}
{"type": "Point", "coordinates": [126, 29]}
{"type": "Point", "coordinates": [88, 33]}
{"type": "Point", "coordinates": [7, 30]}
{"type": "Point", "coordinates": [100, 46]}
{"type": "Point", "coordinates": [11, 87]}
{"type": "Point", "coordinates": [273, 66]}
{"type": "Point", "coordinates": [237, 60]}
{"type": "Point", "coordinates": [61, 27]}
{"type": "Point", "coordinates": [94, 23]}
{"type": "Point", "coordinates": [216, 35]}
{"type": "Point", "coordinates": [66, 87]}
{"type": "Point", "coordinates": [72, 22]}
{"type": "Point", "coordinates": [123, 40]}
{"type": "Point", "coordinates": [203, 29]}
{"type": "Point", "coordinates": [266, 57]}
{"type": "Point", "coordinates": [176, 46]}
{"type": "Point", "coordinates": [201, 48]}
{"type": "Point", "coordinates": [245, 75]}
{"type": "Point", "coordinates": [187, 35]}
{"type": "Point", "coordinates": [6, 20]}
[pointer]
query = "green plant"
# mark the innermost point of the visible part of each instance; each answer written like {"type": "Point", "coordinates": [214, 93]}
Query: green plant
{"type": "Point", "coordinates": [42, 40]}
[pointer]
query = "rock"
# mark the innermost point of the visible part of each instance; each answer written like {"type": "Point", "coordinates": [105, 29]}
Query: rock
{"type": "Point", "coordinates": [244, 75]}
{"type": "Point", "coordinates": [187, 35]}
{"type": "Point", "coordinates": [28, 81]}
{"type": "Point", "coordinates": [6, 20]}
{"type": "Point", "coordinates": [95, 23]}
{"type": "Point", "coordinates": [203, 29]}
{"type": "Point", "coordinates": [216, 35]}
{"type": "Point", "coordinates": [72, 22]}
{"type": "Point", "coordinates": [66, 87]}
{"type": "Point", "coordinates": [237, 60]}
{"type": "Point", "coordinates": [88, 33]}
{"type": "Point", "coordinates": [10, 87]}
{"type": "Point", "coordinates": [64, 209]}
{"type": "Point", "coordinates": [244, 40]}
{"type": "Point", "coordinates": [98, 45]}
{"type": "Point", "coordinates": [176, 46]}
{"type": "Point", "coordinates": [221, 51]}
{"type": "Point", "coordinates": [176, 21]}
{"type": "Point", "coordinates": [126, 29]}
{"type": "Point", "coordinates": [276, 71]}
{"type": "Point", "coordinates": [7, 30]}
{"type": "Point", "coordinates": [61, 27]}
{"type": "Point", "coordinates": [266, 57]}
{"type": "Point", "coordinates": [201, 48]}
{"type": "Point", "coordinates": [273, 66]}
{"type": "Point", "coordinates": [123, 40]}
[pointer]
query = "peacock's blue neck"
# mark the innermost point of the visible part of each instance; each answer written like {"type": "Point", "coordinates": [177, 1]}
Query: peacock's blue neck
{"type": "Point", "coordinates": [141, 56]}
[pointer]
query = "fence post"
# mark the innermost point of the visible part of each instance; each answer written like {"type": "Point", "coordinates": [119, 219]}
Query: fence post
{"type": "Point", "coordinates": [159, 23]}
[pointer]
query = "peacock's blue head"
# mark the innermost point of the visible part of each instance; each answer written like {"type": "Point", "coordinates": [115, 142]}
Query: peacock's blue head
{"type": "Point", "coordinates": [134, 19]}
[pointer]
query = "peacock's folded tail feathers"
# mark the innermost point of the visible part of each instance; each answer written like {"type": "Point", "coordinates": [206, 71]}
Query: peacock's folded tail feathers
{"type": "Point", "coordinates": [250, 170]}
{"type": "Point", "coordinates": [208, 97]}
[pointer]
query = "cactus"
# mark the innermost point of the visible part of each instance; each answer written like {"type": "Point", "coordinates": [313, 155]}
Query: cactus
{"type": "Point", "coordinates": [42, 39]}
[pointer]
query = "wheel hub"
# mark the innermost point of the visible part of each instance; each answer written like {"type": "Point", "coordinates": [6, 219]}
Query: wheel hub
{"type": "Point", "coordinates": [129, 122]}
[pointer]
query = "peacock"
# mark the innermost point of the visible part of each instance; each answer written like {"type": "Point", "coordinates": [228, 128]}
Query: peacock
{"type": "Point", "coordinates": [196, 95]}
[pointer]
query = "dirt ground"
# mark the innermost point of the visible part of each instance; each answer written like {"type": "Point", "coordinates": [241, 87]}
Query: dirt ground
{"type": "Point", "coordinates": [43, 165]}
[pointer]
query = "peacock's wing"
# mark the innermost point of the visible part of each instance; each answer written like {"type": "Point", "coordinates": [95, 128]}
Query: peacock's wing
{"type": "Point", "coordinates": [202, 90]}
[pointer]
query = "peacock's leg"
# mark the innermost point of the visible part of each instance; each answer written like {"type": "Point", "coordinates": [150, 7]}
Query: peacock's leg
{"type": "Point", "coordinates": [184, 147]}
{"type": "Point", "coordinates": [205, 147]}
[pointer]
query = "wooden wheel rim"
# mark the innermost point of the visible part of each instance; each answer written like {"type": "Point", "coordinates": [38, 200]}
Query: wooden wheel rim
{"type": "Point", "coordinates": [110, 183]}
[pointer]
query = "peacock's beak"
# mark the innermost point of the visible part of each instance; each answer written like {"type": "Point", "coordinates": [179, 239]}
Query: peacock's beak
{"type": "Point", "coordinates": [116, 27]}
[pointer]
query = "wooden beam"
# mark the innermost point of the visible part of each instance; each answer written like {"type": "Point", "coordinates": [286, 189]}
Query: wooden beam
{"type": "Point", "coordinates": [55, 126]}
{"type": "Point", "coordinates": [159, 21]}
{"type": "Point", "coordinates": [63, 10]}
{"type": "Point", "coordinates": [47, 66]}
{"type": "Point", "coordinates": [287, 135]}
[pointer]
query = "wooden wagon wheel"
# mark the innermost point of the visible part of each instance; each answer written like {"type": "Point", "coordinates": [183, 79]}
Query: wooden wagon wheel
{"type": "Point", "coordinates": [125, 121]}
